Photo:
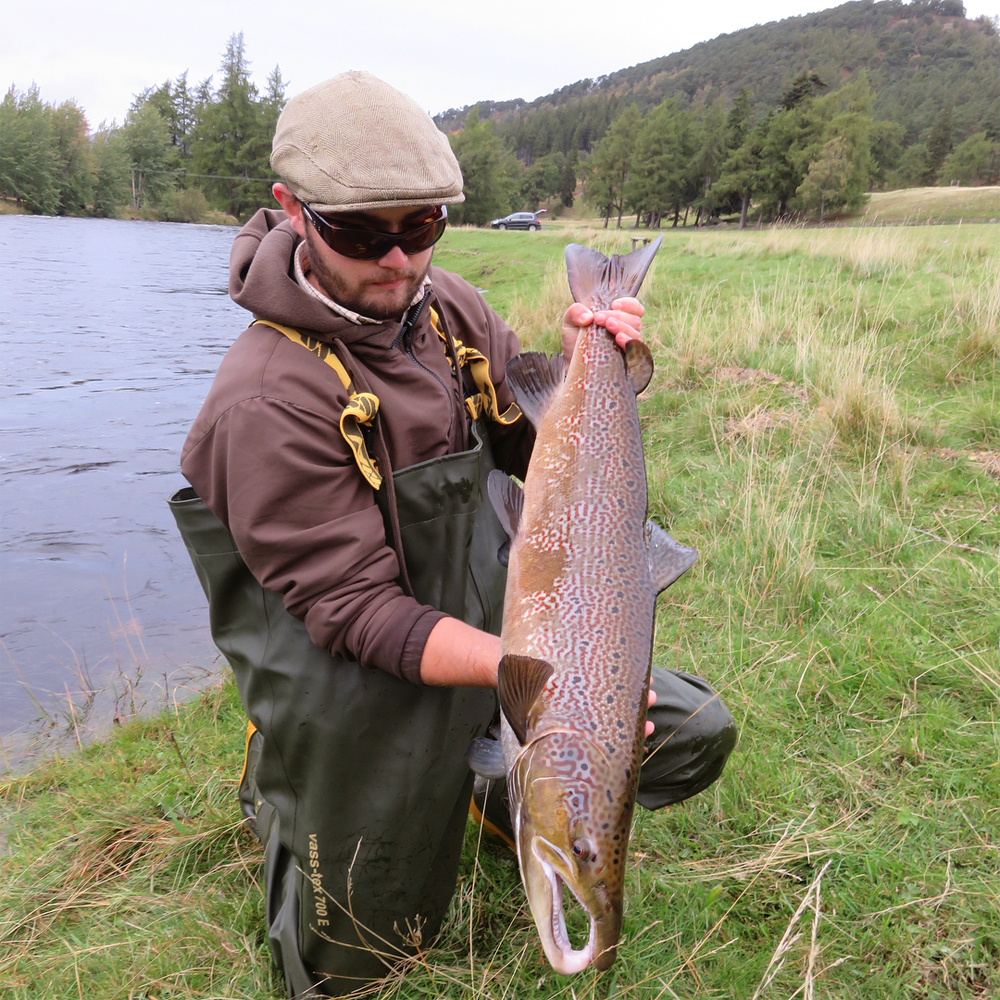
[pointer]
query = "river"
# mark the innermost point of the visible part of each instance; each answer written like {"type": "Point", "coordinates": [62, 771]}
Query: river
{"type": "Point", "coordinates": [111, 332]}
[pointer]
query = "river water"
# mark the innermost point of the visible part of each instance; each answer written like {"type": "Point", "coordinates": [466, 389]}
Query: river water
{"type": "Point", "coordinates": [111, 333]}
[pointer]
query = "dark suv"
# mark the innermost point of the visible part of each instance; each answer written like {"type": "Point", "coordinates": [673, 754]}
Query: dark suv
{"type": "Point", "coordinates": [518, 220]}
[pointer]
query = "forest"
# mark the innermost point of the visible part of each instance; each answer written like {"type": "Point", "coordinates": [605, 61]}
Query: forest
{"type": "Point", "coordinates": [183, 151]}
{"type": "Point", "coordinates": [794, 119]}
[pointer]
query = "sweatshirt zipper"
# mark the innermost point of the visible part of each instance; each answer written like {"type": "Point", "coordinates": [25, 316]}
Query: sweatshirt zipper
{"type": "Point", "coordinates": [406, 333]}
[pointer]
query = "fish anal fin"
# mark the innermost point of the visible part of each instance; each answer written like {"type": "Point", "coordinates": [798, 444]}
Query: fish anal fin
{"type": "Point", "coordinates": [535, 379]}
{"type": "Point", "coordinates": [520, 680]}
{"type": "Point", "coordinates": [507, 499]}
{"type": "Point", "coordinates": [596, 280]}
{"type": "Point", "coordinates": [668, 559]}
{"type": "Point", "coordinates": [639, 363]}
{"type": "Point", "coordinates": [485, 757]}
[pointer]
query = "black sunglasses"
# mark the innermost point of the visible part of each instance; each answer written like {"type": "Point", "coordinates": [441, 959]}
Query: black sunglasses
{"type": "Point", "coordinates": [370, 244]}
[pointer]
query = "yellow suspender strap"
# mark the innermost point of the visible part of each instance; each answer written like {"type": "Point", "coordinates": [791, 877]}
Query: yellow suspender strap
{"type": "Point", "coordinates": [479, 365]}
{"type": "Point", "coordinates": [251, 729]}
{"type": "Point", "coordinates": [361, 407]}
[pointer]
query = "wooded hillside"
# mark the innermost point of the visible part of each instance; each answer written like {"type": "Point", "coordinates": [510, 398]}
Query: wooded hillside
{"type": "Point", "coordinates": [919, 58]}
{"type": "Point", "coordinates": [793, 119]}
{"type": "Point", "coordinates": [786, 119]}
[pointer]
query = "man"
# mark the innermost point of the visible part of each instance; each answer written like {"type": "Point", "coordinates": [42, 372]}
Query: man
{"type": "Point", "coordinates": [354, 582]}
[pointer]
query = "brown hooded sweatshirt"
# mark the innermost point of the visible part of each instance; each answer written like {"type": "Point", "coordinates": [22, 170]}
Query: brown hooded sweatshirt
{"type": "Point", "coordinates": [267, 456]}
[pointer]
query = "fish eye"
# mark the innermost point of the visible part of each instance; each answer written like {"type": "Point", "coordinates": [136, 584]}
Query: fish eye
{"type": "Point", "coordinates": [583, 849]}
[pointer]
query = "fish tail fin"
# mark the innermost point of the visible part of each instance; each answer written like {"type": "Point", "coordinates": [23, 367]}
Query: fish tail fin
{"type": "Point", "coordinates": [596, 281]}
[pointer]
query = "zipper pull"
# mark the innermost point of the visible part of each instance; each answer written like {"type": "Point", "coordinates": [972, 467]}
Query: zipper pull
{"type": "Point", "coordinates": [409, 321]}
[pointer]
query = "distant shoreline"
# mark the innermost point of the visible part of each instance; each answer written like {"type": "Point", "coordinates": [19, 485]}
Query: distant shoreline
{"type": "Point", "coordinates": [903, 207]}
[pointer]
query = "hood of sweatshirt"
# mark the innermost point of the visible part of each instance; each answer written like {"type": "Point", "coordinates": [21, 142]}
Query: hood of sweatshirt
{"type": "Point", "coordinates": [262, 280]}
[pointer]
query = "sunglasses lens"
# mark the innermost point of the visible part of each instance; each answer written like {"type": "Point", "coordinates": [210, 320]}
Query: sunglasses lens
{"type": "Point", "coordinates": [424, 237]}
{"type": "Point", "coordinates": [356, 243]}
{"type": "Point", "coordinates": [366, 244]}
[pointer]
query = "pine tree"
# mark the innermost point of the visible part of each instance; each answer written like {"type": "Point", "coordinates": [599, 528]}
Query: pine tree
{"type": "Point", "coordinates": [72, 154]}
{"type": "Point", "coordinates": [111, 171]}
{"type": "Point", "coordinates": [492, 177]}
{"type": "Point", "coordinates": [743, 172]}
{"type": "Point", "coordinates": [939, 142]}
{"type": "Point", "coordinates": [711, 155]}
{"type": "Point", "coordinates": [233, 136]}
{"type": "Point", "coordinates": [664, 175]}
{"type": "Point", "coordinates": [827, 179]}
{"type": "Point", "coordinates": [567, 180]}
{"type": "Point", "coordinates": [28, 159]}
{"type": "Point", "coordinates": [147, 143]}
{"type": "Point", "coordinates": [609, 166]}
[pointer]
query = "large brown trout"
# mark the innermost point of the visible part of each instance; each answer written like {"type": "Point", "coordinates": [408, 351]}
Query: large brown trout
{"type": "Point", "coordinates": [584, 570]}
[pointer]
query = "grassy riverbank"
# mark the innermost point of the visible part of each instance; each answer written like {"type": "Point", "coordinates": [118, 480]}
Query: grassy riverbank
{"type": "Point", "coordinates": [824, 424]}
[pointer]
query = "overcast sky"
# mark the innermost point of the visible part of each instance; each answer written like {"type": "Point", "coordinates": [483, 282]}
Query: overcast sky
{"type": "Point", "coordinates": [444, 53]}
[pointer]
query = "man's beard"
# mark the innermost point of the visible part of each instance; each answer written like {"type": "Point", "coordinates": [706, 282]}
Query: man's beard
{"type": "Point", "coordinates": [358, 297]}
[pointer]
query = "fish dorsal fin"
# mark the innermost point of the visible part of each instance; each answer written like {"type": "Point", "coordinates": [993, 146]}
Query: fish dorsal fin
{"type": "Point", "coordinates": [597, 281]}
{"type": "Point", "coordinates": [520, 680]}
{"type": "Point", "coordinates": [485, 757]}
{"type": "Point", "coordinates": [507, 499]}
{"type": "Point", "coordinates": [668, 559]}
{"type": "Point", "coordinates": [639, 363]}
{"type": "Point", "coordinates": [534, 379]}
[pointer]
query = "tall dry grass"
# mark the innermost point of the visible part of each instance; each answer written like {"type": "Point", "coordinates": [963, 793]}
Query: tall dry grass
{"type": "Point", "coordinates": [845, 606]}
{"type": "Point", "coordinates": [978, 310]}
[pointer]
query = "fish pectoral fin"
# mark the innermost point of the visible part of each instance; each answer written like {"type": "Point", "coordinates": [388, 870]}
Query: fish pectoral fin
{"type": "Point", "coordinates": [534, 379]}
{"type": "Point", "coordinates": [639, 363]}
{"type": "Point", "coordinates": [668, 559]}
{"type": "Point", "coordinates": [520, 680]}
{"type": "Point", "coordinates": [485, 757]}
{"type": "Point", "coordinates": [507, 499]}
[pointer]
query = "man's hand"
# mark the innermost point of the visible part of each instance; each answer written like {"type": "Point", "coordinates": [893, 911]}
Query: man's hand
{"type": "Point", "coordinates": [458, 654]}
{"type": "Point", "coordinates": [623, 320]}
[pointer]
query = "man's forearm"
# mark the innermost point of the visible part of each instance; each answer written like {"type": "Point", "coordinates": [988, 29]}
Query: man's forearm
{"type": "Point", "coordinates": [457, 654]}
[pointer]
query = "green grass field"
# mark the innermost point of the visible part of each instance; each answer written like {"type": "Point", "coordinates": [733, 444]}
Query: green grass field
{"type": "Point", "coordinates": [933, 204]}
{"type": "Point", "coordinates": [824, 425]}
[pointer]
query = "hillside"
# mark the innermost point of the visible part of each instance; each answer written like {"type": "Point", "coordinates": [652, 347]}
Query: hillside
{"type": "Point", "coordinates": [919, 58]}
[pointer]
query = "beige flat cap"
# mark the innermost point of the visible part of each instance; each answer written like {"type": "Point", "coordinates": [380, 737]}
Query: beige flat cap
{"type": "Point", "coordinates": [355, 143]}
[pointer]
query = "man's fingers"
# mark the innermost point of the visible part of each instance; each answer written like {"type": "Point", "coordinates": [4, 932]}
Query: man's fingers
{"type": "Point", "coordinates": [623, 321]}
{"type": "Point", "coordinates": [624, 325]}
{"type": "Point", "coordinates": [629, 305]}
{"type": "Point", "coordinates": [578, 315]}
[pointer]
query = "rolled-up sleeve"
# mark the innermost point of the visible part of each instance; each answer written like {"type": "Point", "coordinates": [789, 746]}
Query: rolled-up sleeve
{"type": "Point", "coordinates": [283, 480]}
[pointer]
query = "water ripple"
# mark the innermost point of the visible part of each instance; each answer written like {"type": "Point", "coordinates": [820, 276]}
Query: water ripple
{"type": "Point", "coordinates": [111, 334]}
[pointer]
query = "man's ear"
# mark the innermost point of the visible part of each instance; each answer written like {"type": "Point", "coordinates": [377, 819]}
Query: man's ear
{"type": "Point", "coordinates": [292, 207]}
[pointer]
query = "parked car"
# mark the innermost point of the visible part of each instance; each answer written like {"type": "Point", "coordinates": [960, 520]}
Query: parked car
{"type": "Point", "coordinates": [519, 220]}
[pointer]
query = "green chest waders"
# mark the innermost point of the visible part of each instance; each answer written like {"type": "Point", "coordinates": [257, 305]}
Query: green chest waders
{"type": "Point", "coordinates": [363, 776]}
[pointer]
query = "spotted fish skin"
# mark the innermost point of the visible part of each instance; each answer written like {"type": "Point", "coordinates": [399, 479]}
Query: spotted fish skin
{"type": "Point", "coordinates": [578, 627]}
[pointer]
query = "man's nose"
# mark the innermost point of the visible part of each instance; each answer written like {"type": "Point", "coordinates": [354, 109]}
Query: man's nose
{"type": "Point", "coordinates": [395, 259]}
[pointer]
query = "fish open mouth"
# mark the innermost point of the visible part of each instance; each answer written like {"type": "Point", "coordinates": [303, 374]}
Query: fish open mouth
{"type": "Point", "coordinates": [562, 956]}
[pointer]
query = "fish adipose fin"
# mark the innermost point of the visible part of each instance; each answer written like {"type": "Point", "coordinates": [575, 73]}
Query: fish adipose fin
{"type": "Point", "coordinates": [485, 757]}
{"type": "Point", "coordinates": [520, 680]}
{"type": "Point", "coordinates": [507, 499]}
{"type": "Point", "coordinates": [534, 379]}
{"type": "Point", "coordinates": [639, 363]}
{"type": "Point", "coordinates": [668, 559]}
